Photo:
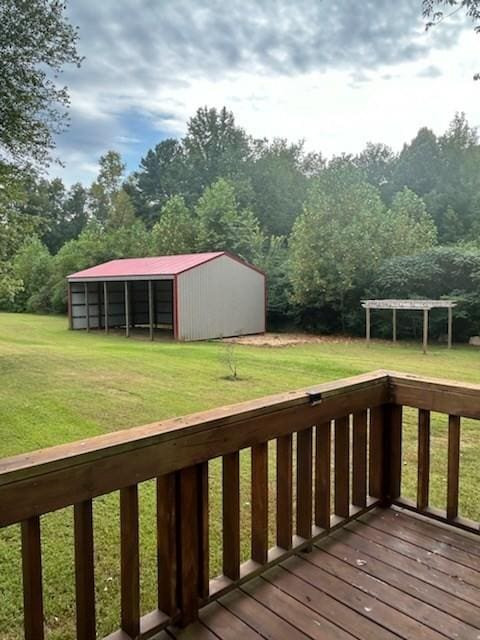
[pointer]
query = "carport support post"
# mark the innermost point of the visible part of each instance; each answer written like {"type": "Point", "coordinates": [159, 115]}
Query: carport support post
{"type": "Point", "coordinates": [87, 306]}
{"type": "Point", "coordinates": [105, 304]}
{"type": "Point", "coordinates": [70, 318]}
{"type": "Point", "coordinates": [425, 330]}
{"type": "Point", "coordinates": [394, 318]}
{"type": "Point", "coordinates": [150, 307]}
{"type": "Point", "coordinates": [367, 314]}
{"type": "Point", "coordinates": [127, 311]}
{"type": "Point", "coordinates": [450, 317]}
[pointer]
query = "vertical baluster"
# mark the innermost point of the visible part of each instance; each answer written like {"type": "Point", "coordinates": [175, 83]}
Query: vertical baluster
{"type": "Point", "coordinates": [304, 483]}
{"type": "Point", "coordinates": [359, 484]}
{"type": "Point", "coordinates": [394, 488]}
{"type": "Point", "coordinates": [166, 543]}
{"type": "Point", "coordinates": [375, 459]}
{"type": "Point", "coordinates": [453, 466]}
{"type": "Point", "coordinates": [284, 492]}
{"type": "Point", "coordinates": [260, 502]}
{"type": "Point", "coordinates": [203, 529]}
{"type": "Point", "coordinates": [32, 579]}
{"type": "Point", "coordinates": [130, 566]}
{"type": "Point", "coordinates": [423, 459]}
{"type": "Point", "coordinates": [231, 516]}
{"type": "Point", "coordinates": [84, 571]}
{"type": "Point", "coordinates": [342, 467]}
{"type": "Point", "coordinates": [323, 437]}
{"type": "Point", "coordinates": [188, 544]}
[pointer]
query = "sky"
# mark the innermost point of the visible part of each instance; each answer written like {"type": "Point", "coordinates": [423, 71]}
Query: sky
{"type": "Point", "coordinates": [337, 74]}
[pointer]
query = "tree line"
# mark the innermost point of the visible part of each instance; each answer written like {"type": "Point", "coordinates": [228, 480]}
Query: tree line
{"type": "Point", "coordinates": [327, 232]}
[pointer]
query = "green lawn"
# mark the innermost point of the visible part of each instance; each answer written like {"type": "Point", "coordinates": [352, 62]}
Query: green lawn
{"type": "Point", "coordinates": [58, 386]}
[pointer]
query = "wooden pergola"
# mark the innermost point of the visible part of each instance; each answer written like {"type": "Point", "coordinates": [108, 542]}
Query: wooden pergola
{"type": "Point", "coordinates": [410, 305]}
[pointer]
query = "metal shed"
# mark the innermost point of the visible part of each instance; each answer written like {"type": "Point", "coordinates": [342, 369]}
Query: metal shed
{"type": "Point", "coordinates": [195, 296]}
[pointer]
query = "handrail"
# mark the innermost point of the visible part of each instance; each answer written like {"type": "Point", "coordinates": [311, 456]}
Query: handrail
{"type": "Point", "coordinates": [362, 413]}
{"type": "Point", "coordinates": [69, 473]}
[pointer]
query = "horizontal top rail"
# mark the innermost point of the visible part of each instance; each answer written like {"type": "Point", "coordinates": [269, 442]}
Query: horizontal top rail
{"type": "Point", "coordinates": [444, 396]}
{"type": "Point", "coordinates": [44, 460]}
{"type": "Point", "coordinates": [41, 481]}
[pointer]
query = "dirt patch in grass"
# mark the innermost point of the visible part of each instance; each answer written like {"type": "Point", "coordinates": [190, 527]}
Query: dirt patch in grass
{"type": "Point", "coordinates": [289, 339]}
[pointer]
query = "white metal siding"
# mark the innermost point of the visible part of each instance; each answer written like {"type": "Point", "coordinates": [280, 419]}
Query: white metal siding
{"type": "Point", "coordinates": [220, 298]}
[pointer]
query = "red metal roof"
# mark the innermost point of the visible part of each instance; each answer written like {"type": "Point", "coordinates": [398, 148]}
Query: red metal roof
{"type": "Point", "coordinates": [157, 266]}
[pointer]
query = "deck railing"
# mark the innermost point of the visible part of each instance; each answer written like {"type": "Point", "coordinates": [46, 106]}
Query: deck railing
{"type": "Point", "coordinates": [361, 418]}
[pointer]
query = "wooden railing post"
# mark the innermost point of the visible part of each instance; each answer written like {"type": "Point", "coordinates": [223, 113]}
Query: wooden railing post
{"type": "Point", "coordinates": [385, 461]}
{"type": "Point", "coordinates": [166, 543]}
{"type": "Point", "coordinates": [32, 579]}
{"type": "Point", "coordinates": [84, 571]}
{"type": "Point", "coordinates": [130, 561]}
{"type": "Point", "coordinates": [192, 540]}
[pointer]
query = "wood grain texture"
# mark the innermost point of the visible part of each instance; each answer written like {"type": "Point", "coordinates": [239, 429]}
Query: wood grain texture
{"type": "Point", "coordinates": [129, 561]}
{"type": "Point", "coordinates": [375, 459]}
{"type": "Point", "coordinates": [359, 462]}
{"type": "Point", "coordinates": [453, 471]}
{"type": "Point", "coordinates": [259, 489]}
{"type": "Point", "coordinates": [84, 571]}
{"type": "Point", "coordinates": [304, 483]}
{"type": "Point", "coordinates": [284, 492]}
{"type": "Point", "coordinates": [394, 451]}
{"type": "Point", "coordinates": [423, 481]}
{"type": "Point", "coordinates": [166, 543]}
{"type": "Point", "coordinates": [203, 530]}
{"type": "Point", "coordinates": [342, 468]}
{"type": "Point", "coordinates": [231, 516]}
{"type": "Point", "coordinates": [187, 545]}
{"type": "Point", "coordinates": [32, 579]}
{"type": "Point", "coordinates": [74, 473]}
{"type": "Point", "coordinates": [323, 439]}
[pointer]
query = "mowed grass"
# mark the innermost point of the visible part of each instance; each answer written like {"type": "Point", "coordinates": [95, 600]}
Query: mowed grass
{"type": "Point", "coordinates": [58, 386]}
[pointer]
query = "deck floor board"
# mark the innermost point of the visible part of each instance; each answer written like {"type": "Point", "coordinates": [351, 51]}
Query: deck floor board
{"type": "Point", "coordinates": [387, 576]}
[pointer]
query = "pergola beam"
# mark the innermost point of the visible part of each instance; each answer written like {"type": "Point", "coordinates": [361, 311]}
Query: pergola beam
{"type": "Point", "coordinates": [410, 305]}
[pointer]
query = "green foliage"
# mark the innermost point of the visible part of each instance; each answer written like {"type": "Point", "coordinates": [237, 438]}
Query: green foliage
{"type": "Point", "coordinates": [321, 230]}
{"type": "Point", "coordinates": [36, 42]}
{"type": "Point", "coordinates": [162, 174]}
{"type": "Point", "coordinates": [175, 232]}
{"type": "Point", "coordinates": [274, 262]}
{"type": "Point", "coordinates": [279, 184]}
{"type": "Point", "coordinates": [443, 272]}
{"type": "Point", "coordinates": [121, 213]}
{"type": "Point", "coordinates": [33, 267]}
{"type": "Point", "coordinates": [222, 225]}
{"type": "Point", "coordinates": [14, 229]}
{"type": "Point", "coordinates": [343, 235]}
{"type": "Point", "coordinates": [215, 147]}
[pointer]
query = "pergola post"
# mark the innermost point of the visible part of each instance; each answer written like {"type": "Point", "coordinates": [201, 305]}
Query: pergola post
{"type": "Point", "coordinates": [394, 320]}
{"type": "Point", "coordinates": [87, 306]}
{"type": "Point", "coordinates": [127, 311]}
{"type": "Point", "coordinates": [69, 294]}
{"type": "Point", "coordinates": [367, 317]}
{"type": "Point", "coordinates": [450, 323]}
{"type": "Point", "coordinates": [425, 330]}
{"type": "Point", "coordinates": [105, 304]}
{"type": "Point", "coordinates": [150, 308]}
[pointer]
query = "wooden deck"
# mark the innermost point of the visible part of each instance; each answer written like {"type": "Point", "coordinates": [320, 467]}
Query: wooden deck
{"type": "Point", "coordinates": [386, 576]}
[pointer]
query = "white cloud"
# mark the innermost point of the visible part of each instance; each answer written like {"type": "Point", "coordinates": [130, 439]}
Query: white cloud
{"type": "Point", "coordinates": [336, 75]}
